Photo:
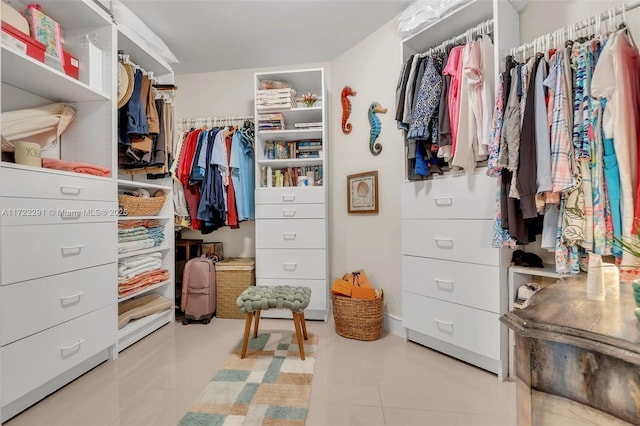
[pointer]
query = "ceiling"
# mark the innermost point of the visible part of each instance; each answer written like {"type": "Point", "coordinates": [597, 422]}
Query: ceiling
{"type": "Point", "coordinates": [220, 35]}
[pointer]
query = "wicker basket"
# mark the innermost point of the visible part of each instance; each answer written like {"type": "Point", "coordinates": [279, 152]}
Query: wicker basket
{"type": "Point", "coordinates": [233, 276]}
{"type": "Point", "coordinates": [141, 206]}
{"type": "Point", "coordinates": [359, 319]}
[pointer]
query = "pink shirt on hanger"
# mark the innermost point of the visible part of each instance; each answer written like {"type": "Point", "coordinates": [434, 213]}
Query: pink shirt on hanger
{"type": "Point", "coordinates": [454, 69]}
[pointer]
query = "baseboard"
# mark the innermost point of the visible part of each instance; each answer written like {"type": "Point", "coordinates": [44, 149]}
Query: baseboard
{"type": "Point", "coordinates": [393, 325]}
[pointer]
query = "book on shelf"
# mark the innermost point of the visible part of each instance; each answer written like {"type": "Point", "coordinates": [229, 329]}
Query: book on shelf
{"type": "Point", "coordinates": [307, 125]}
{"type": "Point", "coordinates": [310, 148]}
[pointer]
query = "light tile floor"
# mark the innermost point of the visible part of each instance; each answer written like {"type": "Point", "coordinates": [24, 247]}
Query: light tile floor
{"type": "Point", "coordinates": [385, 382]}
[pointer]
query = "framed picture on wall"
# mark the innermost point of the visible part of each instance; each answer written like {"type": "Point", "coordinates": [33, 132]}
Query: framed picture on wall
{"type": "Point", "coordinates": [362, 192]}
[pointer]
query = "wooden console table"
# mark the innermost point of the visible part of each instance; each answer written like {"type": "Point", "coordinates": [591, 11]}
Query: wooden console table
{"type": "Point", "coordinates": [577, 361]}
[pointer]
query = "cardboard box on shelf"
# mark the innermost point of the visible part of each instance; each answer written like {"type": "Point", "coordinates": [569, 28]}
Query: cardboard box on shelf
{"type": "Point", "coordinates": [17, 40]}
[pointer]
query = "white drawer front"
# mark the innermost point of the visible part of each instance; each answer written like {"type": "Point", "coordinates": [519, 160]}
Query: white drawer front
{"type": "Point", "coordinates": [42, 184]}
{"type": "Point", "coordinates": [291, 263]}
{"type": "Point", "coordinates": [31, 306]}
{"type": "Point", "coordinates": [33, 211]}
{"type": "Point", "coordinates": [477, 286]}
{"type": "Point", "coordinates": [460, 240]}
{"type": "Point", "coordinates": [290, 195]}
{"type": "Point", "coordinates": [468, 328]}
{"type": "Point", "coordinates": [288, 211]}
{"type": "Point", "coordinates": [292, 233]}
{"type": "Point", "coordinates": [30, 362]}
{"type": "Point", "coordinates": [319, 292]}
{"type": "Point", "coordinates": [30, 252]}
{"type": "Point", "coordinates": [458, 197]}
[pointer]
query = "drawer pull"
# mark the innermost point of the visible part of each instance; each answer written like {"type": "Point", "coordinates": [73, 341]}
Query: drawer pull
{"type": "Point", "coordinates": [71, 300]}
{"type": "Point", "coordinates": [443, 201]}
{"type": "Point", "coordinates": [70, 214]}
{"type": "Point", "coordinates": [445, 326]}
{"type": "Point", "coordinates": [290, 266]}
{"type": "Point", "coordinates": [289, 236]}
{"type": "Point", "coordinates": [444, 242]}
{"type": "Point", "coordinates": [71, 251]}
{"type": "Point", "coordinates": [288, 213]}
{"type": "Point", "coordinates": [66, 351]}
{"type": "Point", "coordinates": [70, 190]}
{"type": "Point", "coordinates": [444, 284]}
{"type": "Point", "coordinates": [288, 198]}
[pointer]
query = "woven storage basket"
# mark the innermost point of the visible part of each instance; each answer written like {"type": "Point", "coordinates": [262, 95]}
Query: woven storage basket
{"type": "Point", "coordinates": [233, 276]}
{"type": "Point", "coordinates": [140, 206]}
{"type": "Point", "coordinates": [359, 319]}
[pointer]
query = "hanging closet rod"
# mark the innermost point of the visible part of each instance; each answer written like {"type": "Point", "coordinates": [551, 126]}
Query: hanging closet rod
{"type": "Point", "coordinates": [127, 60]}
{"type": "Point", "coordinates": [482, 28]}
{"type": "Point", "coordinates": [213, 121]}
{"type": "Point", "coordinates": [608, 15]}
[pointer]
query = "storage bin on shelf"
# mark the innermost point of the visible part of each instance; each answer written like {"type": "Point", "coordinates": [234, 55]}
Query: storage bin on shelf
{"type": "Point", "coordinates": [357, 307]}
{"type": "Point", "coordinates": [132, 205]}
{"type": "Point", "coordinates": [233, 276]}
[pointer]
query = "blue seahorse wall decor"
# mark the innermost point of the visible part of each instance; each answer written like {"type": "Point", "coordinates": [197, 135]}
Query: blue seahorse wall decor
{"type": "Point", "coordinates": [376, 127]}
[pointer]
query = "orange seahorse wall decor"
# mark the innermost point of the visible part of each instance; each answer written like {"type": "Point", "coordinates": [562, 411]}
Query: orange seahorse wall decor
{"type": "Point", "coordinates": [346, 109]}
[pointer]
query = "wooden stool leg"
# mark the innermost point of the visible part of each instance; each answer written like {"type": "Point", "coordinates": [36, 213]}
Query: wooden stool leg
{"type": "Point", "coordinates": [304, 326]}
{"type": "Point", "coordinates": [247, 330]}
{"type": "Point", "coordinates": [296, 322]}
{"type": "Point", "coordinates": [255, 329]}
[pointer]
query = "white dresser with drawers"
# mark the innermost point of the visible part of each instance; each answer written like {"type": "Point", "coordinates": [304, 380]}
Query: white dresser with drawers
{"type": "Point", "coordinates": [454, 283]}
{"type": "Point", "coordinates": [57, 298]}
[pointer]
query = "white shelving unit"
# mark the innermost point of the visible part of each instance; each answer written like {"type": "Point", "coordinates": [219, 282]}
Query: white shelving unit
{"type": "Point", "coordinates": [454, 283]}
{"type": "Point", "coordinates": [292, 222]}
{"type": "Point", "coordinates": [58, 310]}
{"type": "Point", "coordinates": [129, 44]}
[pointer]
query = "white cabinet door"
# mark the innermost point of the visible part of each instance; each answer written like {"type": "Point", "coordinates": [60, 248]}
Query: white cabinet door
{"type": "Point", "coordinates": [31, 306]}
{"type": "Point", "coordinates": [288, 211]}
{"type": "Point", "coordinates": [291, 263]}
{"type": "Point", "coordinates": [30, 252]}
{"type": "Point", "coordinates": [32, 361]}
{"type": "Point", "coordinates": [468, 328]}
{"type": "Point", "coordinates": [455, 197]}
{"type": "Point", "coordinates": [467, 284]}
{"type": "Point", "coordinates": [290, 195]}
{"type": "Point", "coordinates": [291, 233]}
{"type": "Point", "coordinates": [460, 240]}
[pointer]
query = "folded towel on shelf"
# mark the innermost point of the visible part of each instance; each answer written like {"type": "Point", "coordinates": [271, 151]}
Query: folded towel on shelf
{"type": "Point", "coordinates": [147, 223]}
{"type": "Point", "coordinates": [141, 307]}
{"type": "Point", "coordinates": [142, 281]}
{"type": "Point", "coordinates": [132, 272]}
{"type": "Point", "coordinates": [133, 261]}
{"type": "Point", "coordinates": [136, 245]}
{"type": "Point", "coordinates": [144, 236]}
{"type": "Point", "coordinates": [75, 166]}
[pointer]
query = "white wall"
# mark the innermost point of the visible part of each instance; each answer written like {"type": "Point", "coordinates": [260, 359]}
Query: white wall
{"type": "Point", "coordinates": [371, 242]}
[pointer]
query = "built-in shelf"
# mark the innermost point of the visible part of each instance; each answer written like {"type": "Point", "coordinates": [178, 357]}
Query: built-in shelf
{"type": "Point", "coordinates": [129, 43]}
{"type": "Point", "coordinates": [123, 183]}
{"type": "Point", "coordinates": [35, 77]}
{"type": "Point", "coordinates": [548, 271]}
{"type": "Point", "coordinates": [290, 132]}
{"type": "Point", "coordinates": [139, 328]}
{"type": "Point", "coordinates": [144, 217]}
{"type": "Point", "coordinates": [8, 165]}
{"type": "Point", "coordinates": [144, 291]}
{"type": "Point", "coordinates": [291, 162]}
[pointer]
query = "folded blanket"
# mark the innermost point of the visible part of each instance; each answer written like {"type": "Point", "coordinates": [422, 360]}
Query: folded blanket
{"type": "Point", "coordinates": [144, 236]}
{"type": "Point", "coordinates": [141, 307]}
{"type": "Point", "coordinates": [133, 261]}
{"type": "Point", "coordinates": [75, 166]}
{"type": "Point", "coordinates": [141, 281]}
{"type": "Point", "coordinates": [132, 272]}
{"type": "Point", "coordinates": [147, 223]}
{"type": "Point", "coordinates": [136, 245]}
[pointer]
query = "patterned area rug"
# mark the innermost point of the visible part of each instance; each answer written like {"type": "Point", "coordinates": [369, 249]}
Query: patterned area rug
{"type": "Point", "coordinates": [271, 386]}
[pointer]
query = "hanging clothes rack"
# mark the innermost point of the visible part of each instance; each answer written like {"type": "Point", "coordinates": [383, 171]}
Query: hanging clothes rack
{"type": "Point", "coordinates": [483, 28]}
{"type": "Point", "coordinates": [214, 121]}
{"type": "Point", "coordinates": [125, 58]}
{"type": "Point", "coordinates": [558, 37]}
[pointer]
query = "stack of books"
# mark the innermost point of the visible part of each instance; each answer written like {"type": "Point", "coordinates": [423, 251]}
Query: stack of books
{"type": "Point", "coordinates": [294, 176]}
{"type": "Point", "coordinates": [273, 121]}
{"type": "Point", "coordinates": [309, 148]}
{"type": "Point", "coordinates": [275, 99]}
